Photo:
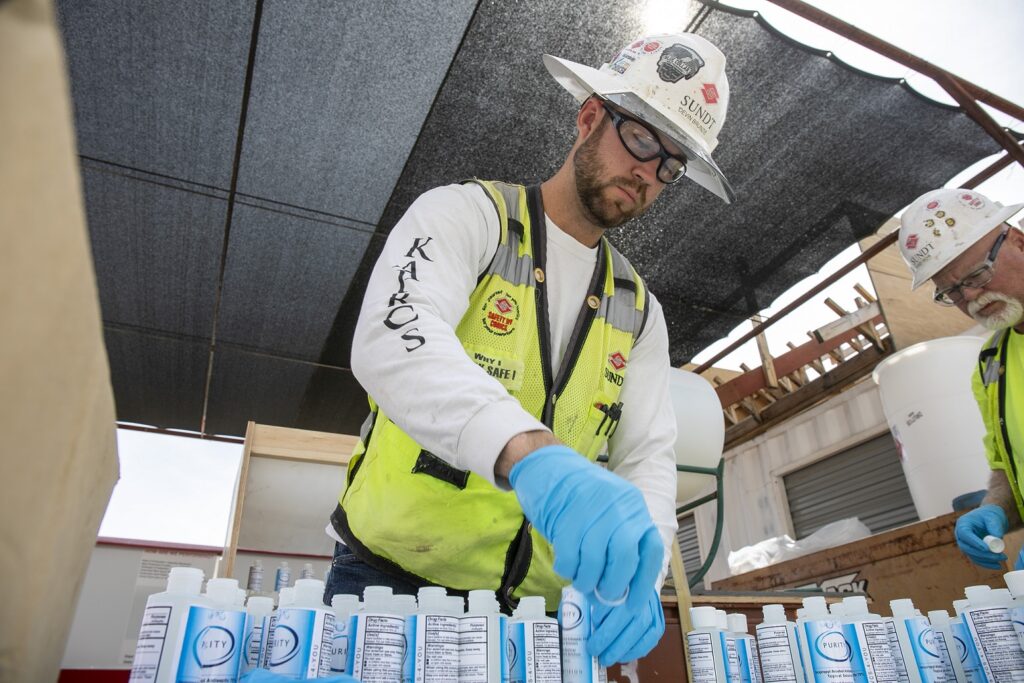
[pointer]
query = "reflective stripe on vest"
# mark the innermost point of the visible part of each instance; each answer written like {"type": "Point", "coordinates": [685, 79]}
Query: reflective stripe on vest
{"type": "Point", "coordinates": [992, 363]}
{"type": "Point", "coordinates": [409, 512]}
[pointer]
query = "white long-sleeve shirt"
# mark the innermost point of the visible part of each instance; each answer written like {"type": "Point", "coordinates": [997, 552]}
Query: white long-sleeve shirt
{"type": "Point", "coordinates": [406, 355]}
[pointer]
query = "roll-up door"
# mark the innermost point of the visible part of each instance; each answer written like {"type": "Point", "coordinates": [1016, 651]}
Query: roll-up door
{"type": "Point", "coordinates": [688, 545]}
{"type": "Point", "coordinates": [865, 481]}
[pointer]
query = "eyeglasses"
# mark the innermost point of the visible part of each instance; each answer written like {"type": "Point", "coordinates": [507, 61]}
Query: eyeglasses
{"type": "Point", "coordinates": [979, 277]}
{"type": "Point", "coordinates": [642, 142]}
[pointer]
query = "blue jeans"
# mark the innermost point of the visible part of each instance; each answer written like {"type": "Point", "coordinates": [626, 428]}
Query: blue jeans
{"type": "Point", "coordinates": [349, 574]}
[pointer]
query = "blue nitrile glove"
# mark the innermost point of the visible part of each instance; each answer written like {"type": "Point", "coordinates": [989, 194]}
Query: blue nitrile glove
{"type": "Point", "coordinates": [622, 635]}
{"type": "Point", "coordinates": [1019, 564]}
{"type": "Point", "coordinates": [597, 521]}
{"type": "Point", "coordinates": [264, 676]}
{"type": "Point", "coordinates": [972, 528]}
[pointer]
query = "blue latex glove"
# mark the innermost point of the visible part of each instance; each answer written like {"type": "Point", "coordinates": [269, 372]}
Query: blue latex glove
{"type": "Point", "coordinates": [1019, 564]}
{"type": "Point", "coordinates": [264, 676]}
{"type": "Point", "coordinates": [597, 521]}
{"type": "Point", "coordinates": [622, 635]}
{"type": "Point", "coordinates": [987, 520]}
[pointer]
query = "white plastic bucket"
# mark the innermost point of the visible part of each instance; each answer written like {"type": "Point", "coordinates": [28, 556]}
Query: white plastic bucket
{"type": "Point", "coordinates": [701, 428]}
{"type": "Point", "coordinates": [931, 411]}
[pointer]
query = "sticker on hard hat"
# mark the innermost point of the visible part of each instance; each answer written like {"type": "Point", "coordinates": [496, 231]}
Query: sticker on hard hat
{"type": "Point", "coordinates": [678, 62]}
{"type": "Point", "coordinates": [923, 254]}
{"type": "Point", "coordinates": [912, 241]}
{"type": "Point", "coordinates": [971, 201]}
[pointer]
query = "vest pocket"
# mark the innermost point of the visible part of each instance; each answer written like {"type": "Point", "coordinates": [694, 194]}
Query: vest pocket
{"type": "Point", "coordinates": [431, 465]}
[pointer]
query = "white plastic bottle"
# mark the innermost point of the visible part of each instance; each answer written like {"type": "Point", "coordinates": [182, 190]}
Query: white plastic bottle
{"type": "Point", "coordinates": [344, 606]}
{"type": "Point", "coordinates": [376, 640]}
{"type": "Point", "coordinates": [574, 618]}
{"type": "Point", "coordinates": [283, 577]}
{"type": "Point", "coordinates": [969, 659]}
{"type": "Point", "coordinates": [837, 610]}
{"type": "Point", "coordinates": [924, 648]}
{"type": "Point", "coordinates": [777, 646]}
{"type": "Point", "coordinates": [284, 599]}
{"type": "Point", "coordinates": [746, 648]}
{"type": "Point", "coordinates": [303, 634]}
{"type": "Point", "coordinates": [903, 664]}
{"type": "Point", "coordinates": [829, 653]}
{"type": "Point", "coordinates": [733, 666]}
{"type": "Point", "coordinates": [871, 637]}
{"type": "Point", "coordinates": [257, 631]}
{"type": "Point", "coordinates": [307, 571]}
{"type": "Point", "coordinates": [405, 606]}
{"type": "Point", "coordinates": [1015, 582]}
{"type": "Point", "coordinates": [211, 649]}
{"type": "Point", "coordinates": [704, 646]}
{"type": "Point", "coordinates": [533, 654]}
{"type": "Point", "coordinates": [940, 622]}
{"type": "Point", "coordinates": [433, 637]}
{"type": "Point", "coordinates": [159, 646]}
{"type": "Point", "coordinates": [456, 605]}
{"type": "Point", "coordinates": [988, 622]}
{"type": "Point", "coordinates": [254, 585]}
{"type": "Point", "coordinates": [480, 643]}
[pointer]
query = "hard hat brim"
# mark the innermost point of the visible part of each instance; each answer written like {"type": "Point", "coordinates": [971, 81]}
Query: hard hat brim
{"type": "Point", "coordinates": [923, 275]}
{"type": "Point", "coordinates": [583, 81]}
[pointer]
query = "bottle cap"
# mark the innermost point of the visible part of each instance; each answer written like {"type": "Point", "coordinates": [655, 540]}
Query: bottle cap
{"type": "Point", "coordinates": [483, 601]}
{"type": "Point", "coordinates": [815, 607]}
{"type": "Point", "coordinates": [721, 619]}
{"type": "Point", "coordinates": [530, 607]}
{"type": "Point", "coordinates": [187, 580]}
{"type": "Point", "coordinates": [903, 607]}
{"type": "Point", "coordinates": [287, 597]}
{"type": "Point", "coordinates": [222, 591]}
{"type": "Point", "coordinates": [456, 605]}
{"type": "Point", "coordinates": [344, 604]}
{"type": "Point", "coordinates": [773, 614]}
{"type": "Point", "coordinates": [1015, 582]}
{"type": "Point", "coordinates": [260, 605]}
{"type": "Point", "coordinates": [377, 598]}
{"type": "Point", "coordinates": [938, 617]}
{"type": "Point", "coordinates": [703, 617]}
{"type": "Point", "coordinates": [837, 609]}
{"type": "Point", "coordinates": [403, 605]}
{"type": "Point", "coordinates": [309, 593]}
{"type": "Point", "coordinates": [960, 605]}
{"type": "Point", "coordinates": [995, 544]}
{"type": "Point", "coordinates": [977, 595]}
{"type": "Point", "coordinates": [855, 605]}
{"type": "Point", "coordinates": [737, 623]}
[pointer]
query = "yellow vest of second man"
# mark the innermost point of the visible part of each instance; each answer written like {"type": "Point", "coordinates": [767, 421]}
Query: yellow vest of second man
{"type": "Point", "coordinates": [1000, 370]}
{"type": "Point", "coordinates": [408, 512]}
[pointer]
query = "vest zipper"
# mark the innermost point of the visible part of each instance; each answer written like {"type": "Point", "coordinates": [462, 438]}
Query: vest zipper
{"type": "Point", "coordinates": [1001, 390]}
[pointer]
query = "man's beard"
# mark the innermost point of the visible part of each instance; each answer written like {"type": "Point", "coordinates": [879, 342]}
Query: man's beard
{"type": "Point", "coordinates": [1009, 315]}
{"type": "Point", "coordinates": [602, 211]}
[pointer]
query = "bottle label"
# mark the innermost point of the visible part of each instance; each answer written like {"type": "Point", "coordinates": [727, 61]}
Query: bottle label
{"type": "Point", "coordinates": [777, 665]}
{"type": "Point", "coordinates": [339, 646]}
{"type": "Point", "coordinates": [754, 657]}
{"type": "Point", "coordinates": [930, 653]}
{"type": "Point", "coordinates": [964, 647]}
{"type": "Point", "coordinates": [1017, 619]}
{"type": "Point", "coordinates": [268, 639]}
{"type": "Point", "coordinates": [701, 651]}
{"type": "Point", "coordinates": [376, 647]}
{"type": "Point", "coordinates": [149, 650]}
{"type": "Point", "coordinates": [255, 642]}
{"type": "Point", "coordinates": [897, 651]}
{"type": "Point", "coordinates": [473, 649]}
{"type": "Point", "coordinates": [872, 638]}
{"type": "Point", "coordinates": [434, 639]}
{"type": "Point", "coordinates": [996, 643]}
{"type": "Point", "coordinates": [212, 646]}
{"type": "Point", "coordinates": [733, 662]}
{"type": "Point", "coordinates": [302, 643]}
{"type": "Point", "coordinates": [532, 652]}
{"type": "Point", "coordinates": [574, 617]}
{"type": "Point", "coordinates": [833, 657]}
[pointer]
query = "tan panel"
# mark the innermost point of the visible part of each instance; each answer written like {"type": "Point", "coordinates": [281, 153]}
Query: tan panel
{"type": "Point", "coordinates": [56, 405]}
{"type": "Point", "coordinates": [911, 316]}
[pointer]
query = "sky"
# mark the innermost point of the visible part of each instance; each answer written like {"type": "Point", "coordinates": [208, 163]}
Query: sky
{"type": "Point", "coordinates": [180, 489]}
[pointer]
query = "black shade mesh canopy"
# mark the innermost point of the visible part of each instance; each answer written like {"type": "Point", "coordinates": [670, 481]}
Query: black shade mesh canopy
{"type": "Point", "coordinates": [243, 162]}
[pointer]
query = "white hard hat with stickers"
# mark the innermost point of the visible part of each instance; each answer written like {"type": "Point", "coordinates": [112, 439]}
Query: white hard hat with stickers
{"type": "Point", "coordinates": [942, 224]}
{"type": "Point", "coordinates": [674, 82]}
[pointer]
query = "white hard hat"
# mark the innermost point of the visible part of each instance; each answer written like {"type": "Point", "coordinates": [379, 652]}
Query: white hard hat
{"type": "Point", "coordinates": [942, 224]}
{"type": "Point", "coordinates": [675, 82]}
